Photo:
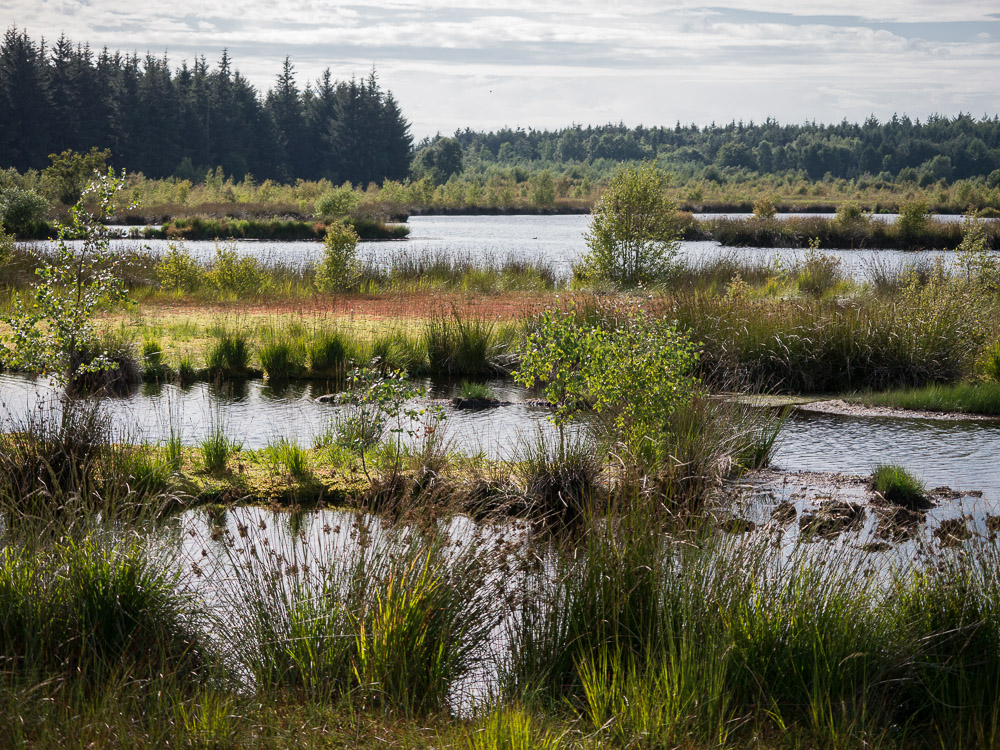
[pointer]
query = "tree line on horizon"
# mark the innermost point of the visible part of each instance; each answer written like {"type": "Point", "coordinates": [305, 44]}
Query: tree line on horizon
{"type": "Point", "coordinates": [184, 122]}
{"type": "Point", "coordinates": [900, 149]}
{"type": "Point", "coordinates": [189, 121]}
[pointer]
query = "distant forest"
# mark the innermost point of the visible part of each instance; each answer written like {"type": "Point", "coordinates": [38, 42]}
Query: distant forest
{"type": "Point", "coordinates": [184, 122]}
{"type": "Point", "coordinates": [899, 149]}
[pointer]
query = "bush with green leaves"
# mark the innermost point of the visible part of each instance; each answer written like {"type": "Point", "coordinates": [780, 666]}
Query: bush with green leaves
{"type": "Point", "coordinates": [80, 283]}
{"type": "Point", "coordinates": [178, 271]}
{"type": "Point", "coordinates": [338, 269]}
{"type": "Point", "coordinates": [22, 211]}
{"type": "Point", "coordinates": [977, 265]}
{"type": "Point", "coordinates": [237, 274]}
{"type": "Point", "coordinates": [634, 230]}
{"type": "Point", "coordinates": [337, 203]}
{"type": "Point", "coordinates": [632, 371]}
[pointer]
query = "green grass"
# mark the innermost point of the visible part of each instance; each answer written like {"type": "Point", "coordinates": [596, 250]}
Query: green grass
{"type": "Point", "coordinates": [476, 391]}
{"type": "Point", "coordinates": [968, 398]}
{"type": "Point", "coordinates": [897, 485]}
{"type": "Point", "coordinates": [286, 455]}
{"type": "Point", "coordinates": [282, 359]}
{"type": "Point", "coordinates": [217, 449]}
{"type": "Point", "coordinates": [230, 356]}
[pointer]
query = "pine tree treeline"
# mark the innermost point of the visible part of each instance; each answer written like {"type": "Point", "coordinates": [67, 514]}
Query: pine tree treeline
{"type": "Point", "coordinates": [187, 121]}
{"type": "Point", "coordinates": [938, 148]}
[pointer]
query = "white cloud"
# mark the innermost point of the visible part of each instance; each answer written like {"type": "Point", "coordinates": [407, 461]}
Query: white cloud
{"type": "Point", "coordinates": [485, 63]}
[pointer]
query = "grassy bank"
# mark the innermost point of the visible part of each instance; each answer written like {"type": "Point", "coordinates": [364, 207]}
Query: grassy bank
{"type": "Point", "coordinates": [863, 232]}
{"type": "Point", "coordinates": [963, 398]}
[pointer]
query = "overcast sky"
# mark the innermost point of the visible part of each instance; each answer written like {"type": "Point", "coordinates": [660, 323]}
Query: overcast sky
{"type": "Point", "coordinates": [485, 64]}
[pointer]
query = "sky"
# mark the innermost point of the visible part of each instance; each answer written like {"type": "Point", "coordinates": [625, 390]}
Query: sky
{"type": "Point", "coordinates": [487, 64]}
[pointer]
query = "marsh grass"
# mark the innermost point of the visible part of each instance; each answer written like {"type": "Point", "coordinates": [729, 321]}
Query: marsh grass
{"type": "Point", "coordinates": [392, 618]}
{"type": "Point", "coordinates": [286, 455]}
{"type": "Point", "coordinates": [898, 486]}
{"type": "Point", "coordinates": [217, 449]}
{"type": "Point", "coordinates": [458, 346]}
{"type": "Point", "coordinates": [282, 359]}
{"type": "Point", "coordinates": [969, 398]}
{"type": "Point", "coordinates": [560, 478]}
{"type": "Point", "coordinates": [476, 391]}
{"type": "Point", "coordinates": [230, 356]}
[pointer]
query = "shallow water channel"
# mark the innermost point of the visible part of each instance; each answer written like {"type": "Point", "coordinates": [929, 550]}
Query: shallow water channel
{"type": "Point", "coordinates": [557, 240]}
{"type": "Point", "coordinates": [959, 454]}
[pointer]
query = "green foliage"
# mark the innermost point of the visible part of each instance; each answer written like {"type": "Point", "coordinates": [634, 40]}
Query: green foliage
{"type": "Point", "coordinates": [67, 177]}
{"type": "Point", "coordinates": [285, 454]}
{"type": "Point", "coordinates": [632, 371]}
{"type": "Point", "coordinates": [338, 269]}
{"type": "Point", "coordinates": [337, 203]}
{"type": "Point", "coordinates": [990, 362]}
{"type": "Point", "coordinates": [240, 275]}
{"type": "Point", "coordinates": [912, 222]}
{"type": "Point", "coordinates": [764, 208]}
{"type": "Point", "coordinates": [282, 358]}
{"type": "Point", "coordinates": [178, 271]}
{"type": "Point", "coordinates": [633, 230]}
{"type": "Point", "coordinates": [217, 449]}
{"type": "Point", "coordinates": [542, 190]}
{"type": "Point", "coordinates": [22, 212]}
{"type": "Point", "coordinates": [375, 398]}
{"type": "Point", "coordinates": [976, 263]}
{"type": "Point", "coordinates": [61, 323]}
{"type": "Point", "coordinates": [230, 356]}
{"type": "Point", "coordinates": [898, 486]}
{"type": "Point", "coordinates": [438, 161]}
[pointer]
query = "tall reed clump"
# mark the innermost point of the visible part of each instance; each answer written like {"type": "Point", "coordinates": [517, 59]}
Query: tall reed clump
{"type": "Point", "coordinates": [229, 356]}
{"type": "Point", "coordinates": [64, 459]}
{"type": "Point", "coordinates": [282, 358]}
{"type": "Point", "coordinates": [94, 608]}
{"type": "Point", "coordinates": [920, 336]}
{"type": "Point", "coordinates": [951, 616]}
{"type": "Point", "coordinates": [560, 479]}
{"type": "Point", "coordinates": [391, 619]}
{"type": "Point", "coordinates": [460, 347]}
{"type": "Point", "coordinates": [328, 354]}
{"type": "Point", "coordinates": [702, 640]}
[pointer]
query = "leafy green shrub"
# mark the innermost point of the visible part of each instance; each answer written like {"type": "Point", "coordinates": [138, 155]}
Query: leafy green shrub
{"type": "Point", "coordinates": [912, 223]}
{"type": "Point", "coordinates": [632, 370]}
{"type": "Point", "coordinates": [898, 486]}
{"type": "Point", "coordinates": [977, 265]}
{"type": "Point", "coordinates": [633, 230]}
{"type": "Point", "coordinates": [237, 274]}
{"type": "Point", "coordinates": [338, 269]}
{"type": "Point", "coordinates": [337, 203]}
{"type": "Point", "coordinates": [22, 212]}
{"type": "Point", "coordinates": [178, 271]}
